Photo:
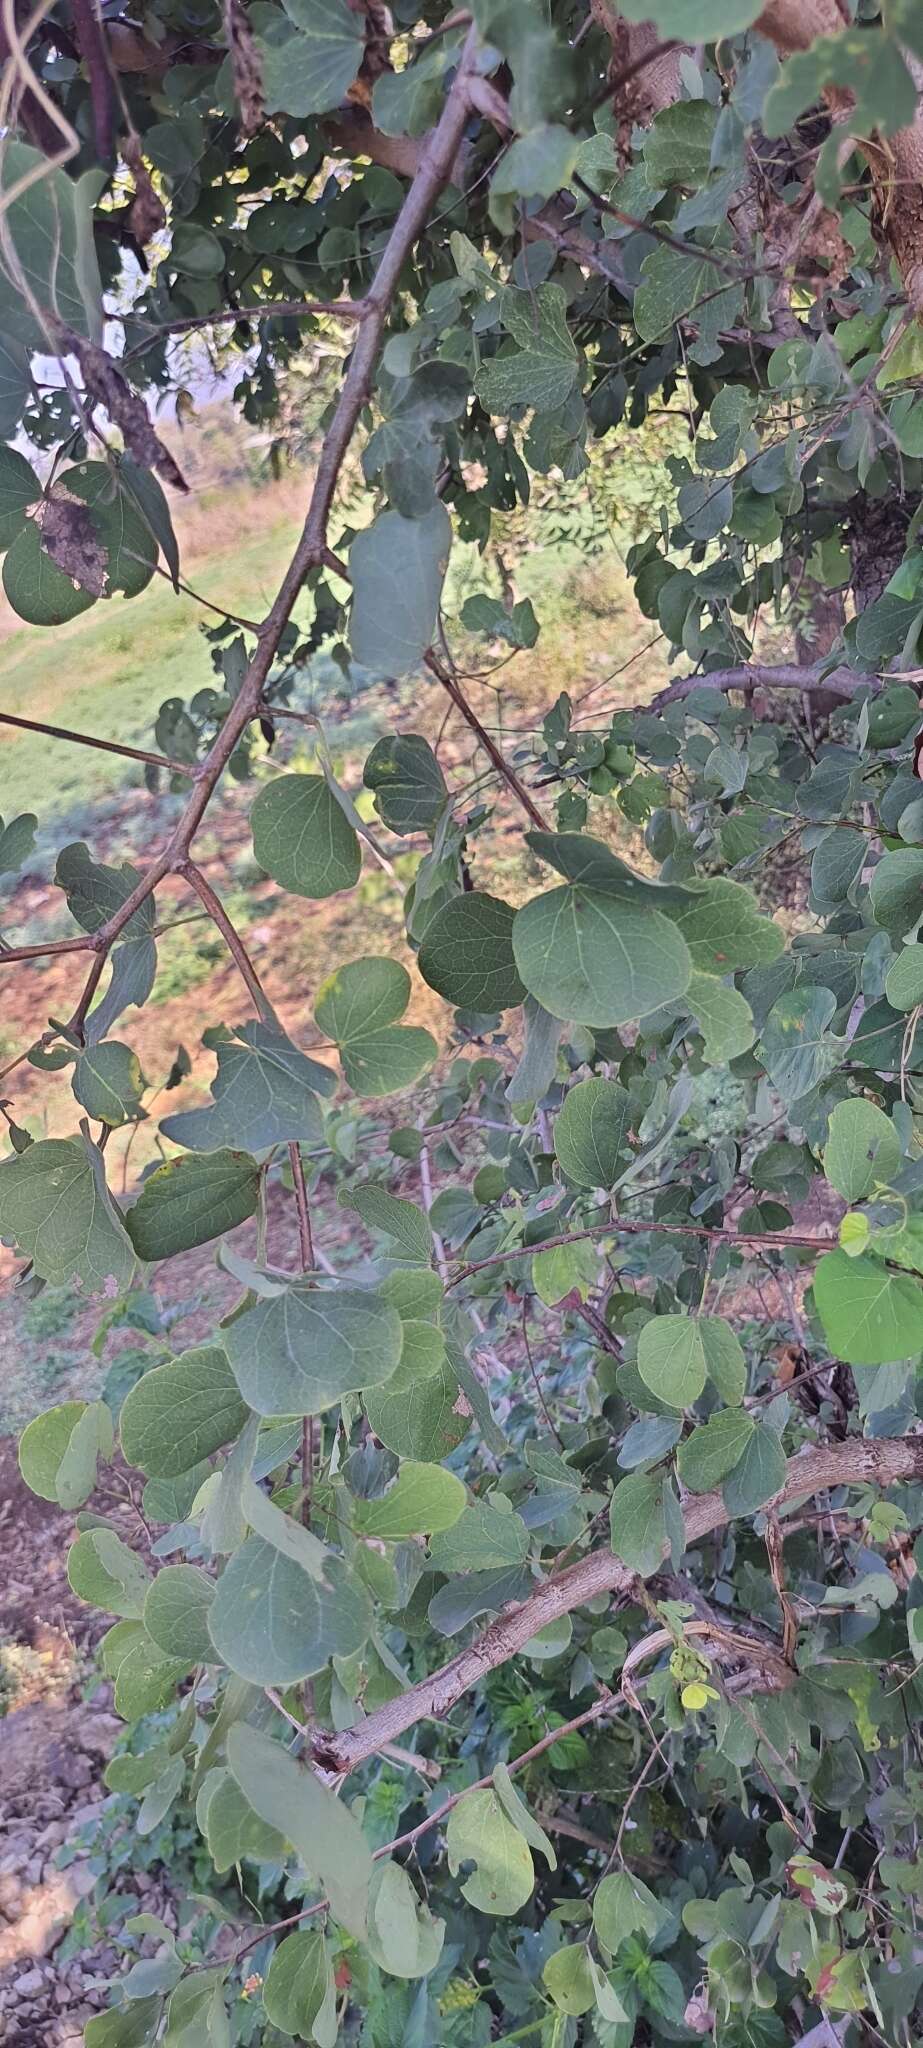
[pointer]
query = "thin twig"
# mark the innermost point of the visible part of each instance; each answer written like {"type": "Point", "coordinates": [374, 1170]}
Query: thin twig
{"type": "Point", "coordinates": [231, 937]}
{"type": "Point", "coordinates": [85, 739]}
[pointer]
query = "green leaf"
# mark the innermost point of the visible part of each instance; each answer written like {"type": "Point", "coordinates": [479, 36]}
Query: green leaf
{"type": "Point", "coordinates": [126, 2026]}
{"type": "Point", "coordinates": [407, 781]}
{"type": "Point", "coordinates": [19, 488]}
{"type": "Point", "coordinates": [565, 1269]}
{"type": "Point", "coordinates": [196, 2013]}
{"type": "Point", "coordinates": [591, 1133]}
{"type": "Point", "coordinates": [419, 1412]}
{"type": "Point", "coordinates": [539, 1057]}
{"type": "Point", "coordinates": [181, 1412]}
{"type": "Point", "coordinates": [408, 102]}
{"type": "Point", "coordinates": [724, 1017]}
{"type": "Point", "coordinates": [676, 1354]}
{"type": "Point", "coordinates": [59, 1449]}
{"type": "Point", "coordinates": [357, 1007]}
{"type": "Point", "coordinates": [320, 1827]}
{"type": "Point", "coordinates": [484, 1536]}
{"type": "Point", "coordinates": [870, 1316]}
{"type": "Point", "coordinates": [271, 1622]}
{"type": "Point", "coordinates": [714, 1448]}
{"type": "Point", "coordinates": [131, 550]}
{"type": "Point", "coordinates": [568, 1979]}
{"type": "Point", "coordinates": [674, 286]}
{"type": "Point", "coordinates": [234, 1833]}
{"type": "Point", "coordinates": [694, 20]}
{"type": "Point", "coordinates": [896, 892]}
{"type": "Point", "coordinates": [265, 1093]}
{"type": "Point", "coordinates": [103, 1571]}
{"type": "Point", "coordinates": [17, 839]}
{"type": "Point", "coordinates": [95, 892]}
{"type": "Point", "coordinates": [296, 1983]}
{"type": "Point", "coordinates": [15, 385]}
{"type": "Point", "coordinates": [176, 1613]}
{"type": "Point", "coordinates": [623, 1906]}
{"type": "Point", "coordinates": [797, 1047]}
{"type": "Point", "coordinates": [38, 591]}
{"type": "Point", "coordinates": [192, 1199]}
{"type": "Point", "coordinates": [479, 1832]}
{"type": "Point", "coordinates": [404, 1938]}
{"type": "Point", "coordinates": [591, 959]}
{"type": "Point", "coordinates": [467, 954]}
{"type": "Point", "coordinates": [403, 559]}
{"type": "Point", "coordinates": [402, 1221]}
{"type": "Point", "coordinates": [678, 144]}
{"type": "Point", "coordinates": [535, 167]}
{"type": "Point", "coordinates": [281, 1531]}
{"type": "Point", "coordinates": [485, 614]}
{"type": "Point", "coordinates": [637, 1522]}
{"type": "Point", "coordinates": [517, 1811]}
{"type": "Point", "coordinates": [758, 1475]}
{"type": "Point", "coordinates": [49, 247]}
{"type": "Point", "coordinates": [54, 1204]}
{"type": "Point", "coordinates": [862, 1149]}
{"type": "Point", "coordinates": [145, 1680]}
{"type": "Point", "coordinates": [303, 838]}
{"type": "Point", "coordinates": [542, 371]}
{"type": "Point", "coordinates": [579, 858]}
{"type": "Point", "coordinates": [422, 1500]}
{"type": "Point", "coordinates": [109, 1083]}
{"type": "Point", "coordinates": [300, 1352]}
{"type": "Point", "coordinates": [904, 979]}
{"type": "Point", "coordinates": [310, 72]}
{"type": "Point", "coordinates": [723, 928]}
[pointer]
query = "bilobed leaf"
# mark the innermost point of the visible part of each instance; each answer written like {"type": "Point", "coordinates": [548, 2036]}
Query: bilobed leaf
{"type": "Point", "coordinates": [483, 1538]}
{"type": "Point", "coordinates": [109, 1083]}
{"type": "Point", "coordinates": [479, 1832]}
{"type": "Point", "coordinates": [862, 1149]}
{"type": "Point", "coordinates": [870, 1316]}
{"type": "Point", "coordinates": [303, 838]}
{"type": "Point", "coordinates": [176, 1610]}
{"type": "Point", "coordinates": [103, 1571]}
{"type": "Point", "coordinates": [190, 1200]}
{"type": "Point", "coordinates": [180, 1412]}
{"type": "Point", "coordinates": [758, 1474]}
{"type": "Point", "coordinates": [408, 783]}
{"type": "Point", "coordinates": [580, 858]}
{"type": "Point", "coordinates": [59, 1449]}
{"type": "Point", "coordinates": [404, 1937]}
{"type": "Point", "coordinates": [637, 1522]}
{"type": "Point", "coordinates": [467, 954]}
{"type": "Point", "coordinates": [714, 1448]}
{"type": "Point", "coordinates": [397, 568]}
{"type": "Point", "coordinates": [591, 1132]}
{"type": "Point", "coordinates": [300, 1352]}
{"type": "Point", "coordinates": [54, 1204]}
{"type": "Point", "coordinates": [595, 960]}
{"type": "Point", "coordinates": [724, 929]}
{"type": "Point", "coordinates": [676, 1354]}
{"type": "Point", "coordinates": [273, 1623]}
{"type": "Point", "coordinates": [484, 614]}
{"type": "Point", "coordinates": [423, 1500]}
{"type": "Point", "coordinates": [321, 1827]}
{"type": "Point", "coordinates": [358, 1006]}
{"type": "Point", "coordinates": [265, 1093]}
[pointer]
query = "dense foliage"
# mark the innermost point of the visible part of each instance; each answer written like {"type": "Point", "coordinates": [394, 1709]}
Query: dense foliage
{"type": "Point", "coordinates": [535, 1576]}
